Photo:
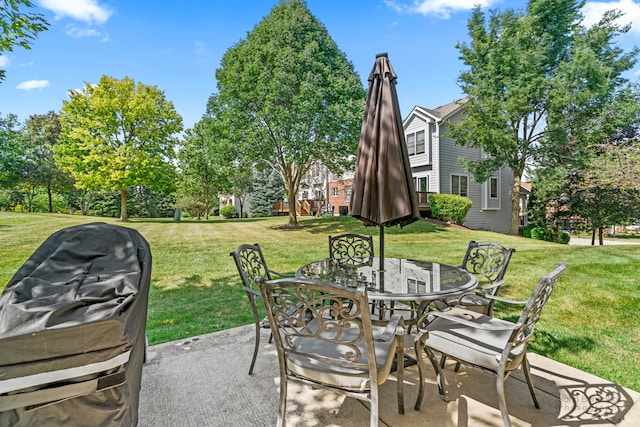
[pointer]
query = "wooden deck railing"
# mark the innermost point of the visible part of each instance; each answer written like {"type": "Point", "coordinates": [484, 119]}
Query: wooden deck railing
{"type": "Point", "coordinates": [312, 206]}
{"type": "Point", "coordinates": [303, 207]}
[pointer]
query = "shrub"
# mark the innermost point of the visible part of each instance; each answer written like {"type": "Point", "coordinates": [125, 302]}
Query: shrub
{"type": "Point", "coordinates": [526, 230]}
{"type": "Point", "coordinates": [541, 233]}
{"type": "Point", "coordinates": [449, 207]}
{"type": "Point", "coordinates": [41, 203]}
{"type": "Point", "coordinates": [563, 237]}
{"type": "Point", "coordinates": [228, 211]}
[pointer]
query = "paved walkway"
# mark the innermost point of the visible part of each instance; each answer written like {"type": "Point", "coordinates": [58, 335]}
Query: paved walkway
{"type": "Point", "coordinates": [607, 242]}
{"type": "Point", "coordinates": [203, 381]}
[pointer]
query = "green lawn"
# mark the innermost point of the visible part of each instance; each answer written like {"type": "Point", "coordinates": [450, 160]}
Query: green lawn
{"type": "Point", "coordinates": [592, 321]}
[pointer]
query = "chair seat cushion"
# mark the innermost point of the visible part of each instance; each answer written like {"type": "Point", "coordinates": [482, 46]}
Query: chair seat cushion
{"type": "Point", "coordinates": [474, 346]}
{"type": "Point", "coordinates": [353, 376]}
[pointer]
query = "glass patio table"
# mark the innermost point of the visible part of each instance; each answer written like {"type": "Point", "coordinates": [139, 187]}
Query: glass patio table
{"type": "Point", "coordinates": [415, 281]}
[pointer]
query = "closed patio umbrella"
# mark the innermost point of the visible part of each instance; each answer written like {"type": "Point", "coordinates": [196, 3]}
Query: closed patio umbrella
{"type": "Point", "coordinates": [383, 193]}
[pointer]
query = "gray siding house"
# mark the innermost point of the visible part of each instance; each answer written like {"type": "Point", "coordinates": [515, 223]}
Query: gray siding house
{"type": "Point", "coordinates": [434, 159]}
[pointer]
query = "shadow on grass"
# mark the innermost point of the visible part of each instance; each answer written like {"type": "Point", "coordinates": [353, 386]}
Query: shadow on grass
{"type": "Point", "coordinates": [215, 220]}
{"type": "Point", "coordinates": [547, 344]}
{"type": "Point", "coordinates": [346, 224]}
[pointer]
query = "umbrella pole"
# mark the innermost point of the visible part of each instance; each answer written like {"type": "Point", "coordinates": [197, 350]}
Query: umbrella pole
{"type": "Point", "coordinates": [381, 248]}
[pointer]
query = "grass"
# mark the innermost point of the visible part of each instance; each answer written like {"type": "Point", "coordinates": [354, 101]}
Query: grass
{"type": "Point", "coordinates": [592, 321]}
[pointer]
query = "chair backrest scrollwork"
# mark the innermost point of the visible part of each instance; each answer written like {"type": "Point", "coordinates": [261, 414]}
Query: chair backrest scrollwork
{"type": "Point", "coordinates": [251, 264]}
{"type": "Point", "coordinates": [535, 305]}
{"type": "Point", "coordinates": [351, 249]}
{"type": "Point", "coordinates": [487, 259]}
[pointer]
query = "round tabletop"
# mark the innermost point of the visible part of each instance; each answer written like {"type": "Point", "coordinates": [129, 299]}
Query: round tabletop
{"type": "Point", "coordinates": [401, 279]}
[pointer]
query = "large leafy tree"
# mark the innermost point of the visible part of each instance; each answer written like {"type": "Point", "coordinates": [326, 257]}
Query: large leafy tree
{"type": "Point", "coordinates": [17, 27]}
{"type": "Point", "coordinates": [206, 161]}
{"type": "Point", "coordinates": [119, 134]}
{"type": "Point", "coordinates": [43, 133]}
{"type": "Point", "coordinates": [595, 173]}
{"type": "Point", "coordinates": [528, 74]}
{"type": "Point", "coordinates": [292, 96]}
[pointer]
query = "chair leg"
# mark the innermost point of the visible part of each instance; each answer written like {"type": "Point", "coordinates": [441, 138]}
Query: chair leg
{"type": "Point", "coordinates": [419, 346]}
{"type": "Point", "coordinates": [443, 360]}
{"type": "Point", "coordinates": [257, 339]}
{"type": "Point", "coordinates": [527, 376]}
{"type": "Point", "coordinates": [400, 375]}
{"type": "Point", "coordinates": [283, 401]}
{"type": "Point", "coordinates": [502, 402]}
{"type": "Point", "coordinates": [439, 377]}
{"type": "Point", "coordinates": [373, 403]}
{"type": "Point", "coordinates": [255, 349]}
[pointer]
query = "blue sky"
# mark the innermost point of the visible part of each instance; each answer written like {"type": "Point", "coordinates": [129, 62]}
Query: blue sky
{"type": "Point", "coordinates": [177, 46]}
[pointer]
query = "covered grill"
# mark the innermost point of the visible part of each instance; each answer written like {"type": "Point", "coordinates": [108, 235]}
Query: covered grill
{"type": "Point", "coordinates": [72, 330]}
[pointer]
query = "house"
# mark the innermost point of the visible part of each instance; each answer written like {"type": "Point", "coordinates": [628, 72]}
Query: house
{"type": "Point", "coordinates": [436, 169]}
{"type": "Point", "coordinates": [434, 159]}
{"type": "Point", "coordinates": [333, 191]}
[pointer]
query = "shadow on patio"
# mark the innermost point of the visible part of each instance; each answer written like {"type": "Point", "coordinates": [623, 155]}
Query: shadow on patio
{"type": "Point", "coordinates": [203, 381]}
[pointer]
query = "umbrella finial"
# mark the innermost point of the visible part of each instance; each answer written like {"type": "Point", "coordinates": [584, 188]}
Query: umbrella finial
{"type": "Point", "coordinates": [382, 55]}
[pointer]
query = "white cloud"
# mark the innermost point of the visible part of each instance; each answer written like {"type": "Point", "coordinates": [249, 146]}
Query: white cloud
{"type": "Point", "coordinates": [593, 11]}
{"type": "Point", "coordinates": [439, 8]}
{"type": "Point", "coordinates": [4, 61]}
{"type": "Point", "coordinates": [33, 84]}
{"type": "Point", "coordinates": [78, 33]}
{"type": "Point", "coordinates": [89, 11]}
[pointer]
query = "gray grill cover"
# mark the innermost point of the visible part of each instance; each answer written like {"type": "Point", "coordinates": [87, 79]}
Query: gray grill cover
{"type": "Point", "coordinates": [80, 299]}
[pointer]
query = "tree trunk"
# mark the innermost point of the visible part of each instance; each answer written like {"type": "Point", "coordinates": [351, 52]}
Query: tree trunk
{"type": "Point", "coordinates": [123, 205]}
{"type": "Point", "coordinates": [515, 203]}
{"type": "Point", "coordinates": [207, 204]}
{"type": "Point", "coordinates": [50, 196]}
{"type": "Point", "coordinates": [293, 216]}
{"type": "Point", "coordinates": [600, 239]}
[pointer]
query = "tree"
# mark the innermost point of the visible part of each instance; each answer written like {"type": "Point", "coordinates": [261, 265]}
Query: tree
{"type": "Point", "coordinates": [118, 134]}
{"type": "Point", "coordinates": [12, 141]}
{"type": "Point", "coordinates": [18, 28]}
{"type": "Point", "coordinates": [206, 161]}
{"type": "Point", "coordinates": [242, 182]}
{"type": "Point", "coordinates": [267, 188]}
{"type": "Point", "coordinates": [43, 131]}
{"type": "Point", "coordinates": [292, 96]}
{"type": "Point", "coordinates": [525, 73]}
{"type": "Point", "coordinates": [596, 179]}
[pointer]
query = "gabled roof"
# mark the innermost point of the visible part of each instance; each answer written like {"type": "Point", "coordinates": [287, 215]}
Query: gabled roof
{"type": "Point", "coordinates": [442, 112]}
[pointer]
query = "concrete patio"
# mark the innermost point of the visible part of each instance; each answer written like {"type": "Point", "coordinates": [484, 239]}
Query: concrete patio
{"type": "Point", "coordinates": [203, 381]}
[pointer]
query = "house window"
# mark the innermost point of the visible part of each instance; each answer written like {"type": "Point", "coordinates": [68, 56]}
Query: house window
{"type": "Point", "coordinates": [493, 188]}
{"type": "Point", "coordinates": [422, 187]}
{"type": "Point", "coordinates": [411, 144]}
{"type": "Point", "coordinates": [347, 192]}
{"type": "Point", "coordinates": [422, 183]}
{"type": "Point", "coordinates": [420, 142]}
{"type": "Point", "coordinates": [415, 143]}
{"type": "Point", "coordinates": [334, 191]}
{"type": "Point", "coordinates": [459, 185]}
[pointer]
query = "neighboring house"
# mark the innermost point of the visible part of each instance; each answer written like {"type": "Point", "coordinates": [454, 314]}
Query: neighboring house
{"type": "Point", "coordinates": [525, 192]}
{"type": "Point", "coordinates": [233, 200]}
{"type": "Point", "coordinates": [434, 159]}
{"type": "Point", "coordinates": [330, 190]}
